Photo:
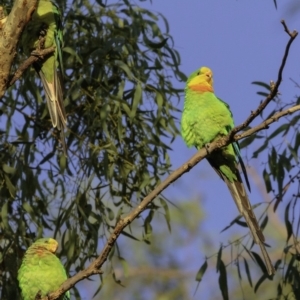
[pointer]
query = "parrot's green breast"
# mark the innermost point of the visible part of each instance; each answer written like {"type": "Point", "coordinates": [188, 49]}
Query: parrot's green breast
{"type": "Point", "coordinates": [204, 118]}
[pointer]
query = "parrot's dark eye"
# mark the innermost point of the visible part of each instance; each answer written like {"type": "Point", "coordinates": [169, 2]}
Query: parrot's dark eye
{"type": "Point", "coordinates": [198, 73]}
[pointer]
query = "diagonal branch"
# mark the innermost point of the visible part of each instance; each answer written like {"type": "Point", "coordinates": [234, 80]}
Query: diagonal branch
{"type": "Point", "coordinates": [94, 267]}
{"type": "Point", "coordinates": [34, 57]}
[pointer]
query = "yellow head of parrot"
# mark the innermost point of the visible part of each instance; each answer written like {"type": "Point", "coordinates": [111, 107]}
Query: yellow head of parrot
{"type": "Point", "coordinates": [51, 245]}
{"type": "Point", "coordinates": [201, 80]}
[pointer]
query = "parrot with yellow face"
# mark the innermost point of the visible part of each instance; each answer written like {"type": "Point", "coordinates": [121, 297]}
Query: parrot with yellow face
{"type": "Point", "coordinates": [206, 118]}
{"type": "Point", "coordinates": [41, 271]}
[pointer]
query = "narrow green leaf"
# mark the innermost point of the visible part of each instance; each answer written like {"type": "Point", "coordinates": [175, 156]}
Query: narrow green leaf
{"type": "Point", "coordinates": [283, 127]}
{"type": "Point", "coordinates": [290, 268]}
{"type": "Point", "coordinates": [118, 281]}
{"type": "Point", "coordinates": [125, 266]}
{"type": "Point", "coordinates": [247, 141]}
{"type": "Point", "coordinates": [238, 268]}
{"type": "Point", "coordinates": [260, 281]}
{"type": "Point", "coordinates": [293, 151]}
{"type": "Point", "coordinates": [129, 235]}
{"type": "Point", "coordinates": [264, 223]}
{"type": "Point", "coordinates": [223, 280]}
{"type": "Point", "coordinates": [167, 213]}
{"type": "Point", "coordinates": [263, 84]}
{"type": "Point", "coordinates": [11, 188]}
{"type": "Point", "coordinates": [288, 224]}
{"type": "Point", "coordinates": [8, 169]}
{"type": "Point", "coordinates": [260, 149]}
{"type": "Point", "coordinates": [125, 68]}
{"type": "Point", "coordinates": [136, 99]}
{"type": "Point", "coordinates": [201, 271]}
{"type": "Point", "coordinates": [121, 90]}
{"type": "Point", "coordinates": [28, 208]}
{"type": "Point", "coordinates": [267, 181]}
{"type": "Point", "coordinates": [4, 215]}
{"type": "Point", "coordinates": [248, 272]}
{"type": "Point", "coordinates": [259, 261]}
{"type": "Point", "coordinates": [111, 214]}
{"type": "Point", "coordinates": [219, 258]}
{"type": "Point", "coordinates": [262, 94]}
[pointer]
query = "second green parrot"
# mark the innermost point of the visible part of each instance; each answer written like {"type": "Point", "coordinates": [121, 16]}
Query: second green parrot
{"type": "Point", "coordinates": [41, 270]}
{"type": "Point", "coordinates": [46, 23]}
{"type": "Point", "coordinates": [206, 118]}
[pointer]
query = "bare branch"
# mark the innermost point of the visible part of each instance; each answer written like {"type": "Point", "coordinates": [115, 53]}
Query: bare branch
{"type": "Point", "coordinates": [274, 87]}
{"type": "Point", "coordinates": [34, 57]}
{"type": "Point", "coordinates": [265, 124]}
{"type": "Point", "coordinates": [94, 267]}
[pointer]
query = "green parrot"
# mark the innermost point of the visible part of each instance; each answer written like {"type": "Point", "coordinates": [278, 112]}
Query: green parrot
{"type": "Point", "coordinates": [206, 118]}
{"type": "Point", "coordinates": [41, 270]}
{"type": "Point", "coordinates": [46, 23]}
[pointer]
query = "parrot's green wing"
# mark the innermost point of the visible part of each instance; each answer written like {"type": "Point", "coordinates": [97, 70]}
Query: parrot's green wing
{"type": "Point", "coordinates": [206, 118]}
{"type": "Point", "coordinates": [236, 148]}
{"type": "Point", "coordinates": [45, 26]}
{"type": "Point", "coordinates": [41, 271]}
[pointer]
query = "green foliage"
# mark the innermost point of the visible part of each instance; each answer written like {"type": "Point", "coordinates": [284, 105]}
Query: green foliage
{"type": "Point", "coordinates": [278, 150]}
{"type": "Point", "coordinates": [121, 103]}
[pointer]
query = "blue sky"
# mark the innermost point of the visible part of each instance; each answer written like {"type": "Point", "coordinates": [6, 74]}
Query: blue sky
{"type": "Point", "coordinates": [241, 41]}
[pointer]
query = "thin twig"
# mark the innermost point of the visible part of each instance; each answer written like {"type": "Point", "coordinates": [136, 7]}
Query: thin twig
{"type": "Point", "coordinates": [34, 57]}
{"type": "Point", "coordinates": [265, 124]}
{"type": "Point", "coordinates": [274, 89]}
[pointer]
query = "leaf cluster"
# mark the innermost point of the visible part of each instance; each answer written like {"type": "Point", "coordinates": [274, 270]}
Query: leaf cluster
{"type": "Point", "coordinates": [119, 64]}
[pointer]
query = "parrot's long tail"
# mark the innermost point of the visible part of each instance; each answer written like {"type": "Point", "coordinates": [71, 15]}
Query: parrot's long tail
{"type": "Point", "coordinates": [241, 199]}
{"type": "Point", "coordinates": [54, 96]}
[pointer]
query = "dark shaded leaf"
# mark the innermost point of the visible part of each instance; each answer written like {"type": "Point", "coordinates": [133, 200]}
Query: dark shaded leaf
{"type": "Point", "coordinates": [248, 272]}
{"type": "Point", "coordinates": [267, 181]}
{"type": "Point", "coordinates": [247, 141]}
{"type": "Point", "coordinates": [260, 281]}
{"type": "Point", "coordinates": [223, 280]}
{"type": "Point", "coordinates": [263, 84]}
{"type": "Point", "coordinates": [288, 224]}
{"type": "Point", "coordinates": [201, 272]}
{"type": "Point", "coordinates": [219, 258]}
{"type": "Point", "coordinates": [259, 261]}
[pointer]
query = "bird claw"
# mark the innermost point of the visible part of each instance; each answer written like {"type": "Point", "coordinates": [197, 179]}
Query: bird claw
{"type": "Point", "coordinates": [38, 295]}
{"type": "Point", "coordinates": [37, 52]}
{"type": "Point", "coordinates": [207, 148]}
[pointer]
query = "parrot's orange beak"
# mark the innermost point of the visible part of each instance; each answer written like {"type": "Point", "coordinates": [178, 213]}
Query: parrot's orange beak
{"type": "Point", "coordinates": [209, 77]}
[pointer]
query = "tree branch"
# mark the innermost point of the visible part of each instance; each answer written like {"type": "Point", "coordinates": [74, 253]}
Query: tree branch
{"type": "Point", "coordinates": [11, 29]}
{"type": "Point", "coordinates": [94, 267]}
{"type": "Point", "coordinates": [265, 124]}
{"type": "Point", "coordinates": [34, 57]}
{"type": "Point", "coordinates": [274, 87]}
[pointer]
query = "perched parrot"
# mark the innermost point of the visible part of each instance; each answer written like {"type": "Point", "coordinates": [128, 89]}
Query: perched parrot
{"type": "Point", "coordinates": [46, 24]}
{"type": "Point", "coordinates": [206, 118]}
{"type": "Point", "coordinates": [41, 270]}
